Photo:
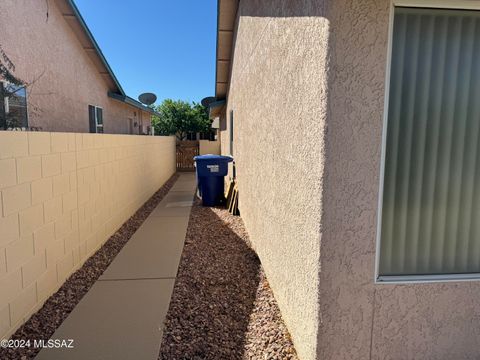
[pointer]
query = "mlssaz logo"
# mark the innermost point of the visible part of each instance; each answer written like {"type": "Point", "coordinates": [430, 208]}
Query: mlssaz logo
{"type": "Point", "coordinates": [54, 344]}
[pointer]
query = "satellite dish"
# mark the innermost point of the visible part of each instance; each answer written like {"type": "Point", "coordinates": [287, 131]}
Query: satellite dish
{"type": "Point", "coordinates": [147, 98]}
{"type": "Point", "coordinates": [208, 100]}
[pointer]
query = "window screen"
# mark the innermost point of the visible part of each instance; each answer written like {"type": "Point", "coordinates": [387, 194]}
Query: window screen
{"type": "Point", "coordinates": [95, 115]}
{"type": "Point", "coordinates": [231, 132]}
{"type": "Point", "coordinates": [431, 199]}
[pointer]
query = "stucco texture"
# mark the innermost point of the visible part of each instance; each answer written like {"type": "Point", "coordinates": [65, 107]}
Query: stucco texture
{"type": "Point", "coordinates": [307, 89]}
{"type": "Point", "coordinates": [48, 54]}
{"type": "Point", "coordinates": [278, 98]}
{"type": "Point", "coordinates": [361, 320]}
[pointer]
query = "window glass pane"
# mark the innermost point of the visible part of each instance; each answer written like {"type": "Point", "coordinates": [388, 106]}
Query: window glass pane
{"type": "Point", "coordinates": [14, 106]}
{"type": "Point", "coordinates": [99, 116]}
{"type": "Point", "coordinates": [431, 199]}
{"type": "Point", "coordinates": [92, 122]}
{"type": "Point", "coordinates": [231, 132]}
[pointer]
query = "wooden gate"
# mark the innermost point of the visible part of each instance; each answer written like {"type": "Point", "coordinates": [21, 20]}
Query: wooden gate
{"type": "Point", "coordinates": [186, 150]}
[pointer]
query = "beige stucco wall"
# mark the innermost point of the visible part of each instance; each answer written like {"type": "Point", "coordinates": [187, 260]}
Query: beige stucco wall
{"type": "Point", "coordinates": [307, 90]}
{"type": "Point", "coordinates": [278, 98]}
{"type": "Point", "coordinates": [363, 320]}
{"type": "Point", "coordinates": [209, 147]}
{"type": "Point", "coordinates": [62, 195]}
{"type": "Point", "coordinates": [65, 80]}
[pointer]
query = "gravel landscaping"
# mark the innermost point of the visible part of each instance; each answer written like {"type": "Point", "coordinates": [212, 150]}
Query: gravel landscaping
{"type": "Point", "coordinates": [43, 323]}
{"type": "Point", "coordinates": [222, 306]}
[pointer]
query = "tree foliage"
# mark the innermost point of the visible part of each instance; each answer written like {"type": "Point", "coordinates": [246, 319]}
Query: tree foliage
{"type": "Point", "coordinates": [10, 90]}
{"type": "Point", "coordinates": [179, 118]}
{"type": "Point", "coordinates": [7, 68]}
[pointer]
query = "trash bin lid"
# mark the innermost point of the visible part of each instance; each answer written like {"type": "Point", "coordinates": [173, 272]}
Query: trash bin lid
{"type": "Point", "coordinates": [210, 157]}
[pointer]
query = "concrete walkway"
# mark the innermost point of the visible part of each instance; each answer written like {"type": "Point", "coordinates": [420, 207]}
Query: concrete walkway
{"type": "Point", "coordinates": [122, 315]}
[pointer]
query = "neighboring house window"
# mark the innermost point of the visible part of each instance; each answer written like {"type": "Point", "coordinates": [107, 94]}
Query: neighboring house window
{"type": "Point", "coordinates": [430, 214]}
{"type": "Point", "coordinates": [231, 132]}
{"type": "Point", "coordinates": [130, 125]}
{"type": "Point", "coordinates": [95, 119]}
{"type": "Point", "coordinates": [208, 135]}
{"type": "Point", "coordinates": [13, 106]}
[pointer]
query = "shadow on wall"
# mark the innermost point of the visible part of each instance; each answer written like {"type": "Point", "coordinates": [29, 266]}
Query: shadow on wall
{"type": "Point", "coordinates": [276, 9]}
{"type": "Point", "coordinates": [214, 293]}
{"type": "Point", "coordinates": [279, 50]}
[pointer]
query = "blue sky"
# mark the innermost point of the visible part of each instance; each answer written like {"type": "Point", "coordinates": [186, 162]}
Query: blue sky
{"type": "Point", "coordinates": [160, 46]}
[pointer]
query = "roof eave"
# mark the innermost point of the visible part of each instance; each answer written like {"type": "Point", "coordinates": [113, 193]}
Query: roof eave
{"type": "Point", "coordinates": [226, 16]}
{"type": "Point", "coordinates": [98, 51]}
{"type": "Point", "coordinates": [132, 102]}
{"type": "Point", "coordinates": [79, 26]}
{"type": "Point", "coordinates": [216, 108]}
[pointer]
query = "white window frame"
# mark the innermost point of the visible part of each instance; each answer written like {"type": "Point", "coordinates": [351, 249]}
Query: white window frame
{"type": "Point", "coordinates": [409, 279]}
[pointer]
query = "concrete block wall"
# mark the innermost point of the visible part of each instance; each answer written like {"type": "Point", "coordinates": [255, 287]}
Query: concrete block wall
{"type": "Point", "coordinates": [62, 195]}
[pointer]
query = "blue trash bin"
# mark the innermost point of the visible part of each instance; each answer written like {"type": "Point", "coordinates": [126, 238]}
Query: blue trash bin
{"type": "Point", "coordinates": [211, 170]}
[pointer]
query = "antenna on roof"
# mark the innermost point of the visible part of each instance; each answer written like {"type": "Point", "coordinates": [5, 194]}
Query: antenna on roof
{"type": "Point", "coordinates": [208, 100]}
{"type": "Point", "coordinates": [147, 98]}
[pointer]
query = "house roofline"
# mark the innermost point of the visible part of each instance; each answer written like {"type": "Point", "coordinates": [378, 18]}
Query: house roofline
{"type": "Point", "coordinates": [226, 16]}
{"type": "Point", "coordinates": [216, 47]}
{"type": "Point", "coordinates": [115, 91]}
{"type": "Point", "coordinates": [98, 51]}
{"type": "Point", "coordinates": [132, 102]}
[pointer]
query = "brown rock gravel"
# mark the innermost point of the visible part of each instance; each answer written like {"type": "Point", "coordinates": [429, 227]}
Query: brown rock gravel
{"type": "Point", "coordinates": [222, 306]}
{"type": "Point", "coordinates": [43, 323]}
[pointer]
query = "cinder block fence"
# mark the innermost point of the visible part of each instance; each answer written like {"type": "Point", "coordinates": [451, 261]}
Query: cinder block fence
{"type": "Point", "coordinates": [62, 195]}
